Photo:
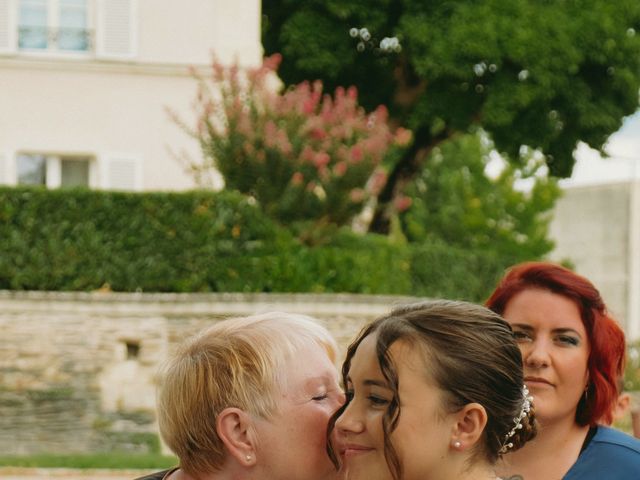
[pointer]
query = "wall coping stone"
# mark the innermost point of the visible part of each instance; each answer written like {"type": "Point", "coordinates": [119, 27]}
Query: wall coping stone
{"type": "Point", "coordinates": [142, 303]}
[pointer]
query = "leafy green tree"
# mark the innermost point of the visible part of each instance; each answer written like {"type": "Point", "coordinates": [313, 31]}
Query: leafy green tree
{"type": "Point", "coordinates": [533, 73]}
{"type": "Point", "coordinates": [457, 201]}
{"type": "Point", "coordinates": [632, 370]}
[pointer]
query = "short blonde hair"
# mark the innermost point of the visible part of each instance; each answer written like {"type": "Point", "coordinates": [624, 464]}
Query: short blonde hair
{"type": "Point", "coordinates": [234, 363]}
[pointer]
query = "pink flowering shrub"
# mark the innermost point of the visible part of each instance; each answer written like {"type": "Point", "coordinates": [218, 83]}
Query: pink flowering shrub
{"type": "Point", "coordinates": [302, 154]}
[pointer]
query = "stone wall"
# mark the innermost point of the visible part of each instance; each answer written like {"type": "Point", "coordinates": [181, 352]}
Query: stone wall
{"type": "Point", "coordinates": [77, 369]}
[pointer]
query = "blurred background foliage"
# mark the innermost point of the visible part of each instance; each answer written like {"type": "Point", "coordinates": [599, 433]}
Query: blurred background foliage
{"type": "Point", "coordinates": [315, 164]}
{"type": "Point", "coordinates": [207, 241]}
{"type": "Point", "coordinates": [413, 148]}
{"type": "Point", "coordinates": [536, 74]}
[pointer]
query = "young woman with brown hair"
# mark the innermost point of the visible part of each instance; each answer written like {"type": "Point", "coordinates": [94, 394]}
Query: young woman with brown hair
{"type": "Point", "coordinates": [434, 392]}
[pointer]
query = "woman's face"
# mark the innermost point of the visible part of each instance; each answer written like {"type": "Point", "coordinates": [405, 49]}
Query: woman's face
{"type": "Point", "coordinates": [291, 444]}
{"type": "Point", "coordinates": [555, 351]}
{"type": "Point", "coordinates": [423, 436]}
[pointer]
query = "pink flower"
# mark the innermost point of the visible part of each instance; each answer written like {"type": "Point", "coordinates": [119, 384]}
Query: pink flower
{"type": "Point", "coordinates": [244, 126]}
{"type": "Point", "coordinates": [356, 195]}
{"type": "Point", "coordinates": [308, 155]}
{"type": "Point", "coordinates": [218, 71]}
{"type": "Point", "coordinates": [356, 154]}
{"type": "Point", "coordinates": [297, 179]}
{"type": "Point", "coordinates": [402, 137]}
{"type": "Point", "coordinates": [208, 108]}
{"type": "Point", "coordinates": [381, 114]}
{"type": "Point", "coordinates": [340, 169]}
{"type": "Point", "coordinates": [402, 203]}
{"type": "Point", "coordinates": [272, 62]}
{"type": "Point", "coordinates": [323, 173]}
{"type": "Point", "coordinates": [378, 180]}
{"type": "Point", "coordinates": [327, 142]}
{"type": "Point", "coordinates": [282, 142]}
{"type": "Point", "coordinates": [318, 134]}
{"type": "Point", "coordinates": [321, 159]}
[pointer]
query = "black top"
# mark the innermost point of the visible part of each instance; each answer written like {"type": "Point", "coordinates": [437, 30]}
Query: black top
{"type": "Point", "coordinates": [158, 475]}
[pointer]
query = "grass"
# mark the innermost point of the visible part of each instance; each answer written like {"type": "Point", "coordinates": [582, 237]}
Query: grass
{"type": "Point", "coordinates": [114, 460]}
{"type": "Point", "coordinates": [624, 425]}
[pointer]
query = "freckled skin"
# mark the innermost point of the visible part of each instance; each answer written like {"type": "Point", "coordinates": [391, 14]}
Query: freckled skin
{"type": "Point", "coordinates": [555, 348]}
{"type": "Point", "coordinates": [423, 427]}
{"type": "Point", "coordinates": [292, 442]}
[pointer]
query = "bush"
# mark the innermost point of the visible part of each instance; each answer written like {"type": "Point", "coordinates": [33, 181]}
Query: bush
{"type": "Point", "coordinates": [442, 271]}
{"type": "Point", "coordinates": [632, 371]}
{"type": "Point", "coordinates": [176, 242]}
{"type": "Point", "coordinates": [355, 263]}
{"type": "Point", "coordinates": [203, 241]}
{"type": "Point", "coordinates": [84, 240]}
{"type": "Point", "coordinates": [302, 153]}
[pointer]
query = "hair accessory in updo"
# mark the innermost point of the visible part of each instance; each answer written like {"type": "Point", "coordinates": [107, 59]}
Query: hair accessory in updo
{"type": "Point", "coordinates": [526, 408]}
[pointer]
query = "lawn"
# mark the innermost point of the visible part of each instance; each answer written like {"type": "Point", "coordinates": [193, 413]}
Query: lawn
{"type": "Point", "coordinates": [114, 460]}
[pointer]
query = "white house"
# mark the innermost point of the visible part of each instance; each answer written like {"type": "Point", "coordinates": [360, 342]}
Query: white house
{"type": "Point", "coordinates": [597, 227]}
{"type": "Point", "coordinates": [84, 86]}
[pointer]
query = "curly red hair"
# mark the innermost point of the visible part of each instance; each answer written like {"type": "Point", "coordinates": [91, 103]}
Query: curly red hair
{"type": "Point", "coordinates": [607, 355]}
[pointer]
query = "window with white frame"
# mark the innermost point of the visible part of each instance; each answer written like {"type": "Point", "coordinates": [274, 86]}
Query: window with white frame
{"type": "Point", "coordinates": [54, 171]}
{"type": "Point", "coordinates": [73, 28]}
{"type": "Point", "coordinates": [54, 25]}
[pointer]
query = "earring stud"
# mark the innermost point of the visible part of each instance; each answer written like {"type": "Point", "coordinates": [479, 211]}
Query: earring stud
{"type": "Point", "coordinates": [248, 457]}
{"type": "Point", "coordinates": [457, 444]}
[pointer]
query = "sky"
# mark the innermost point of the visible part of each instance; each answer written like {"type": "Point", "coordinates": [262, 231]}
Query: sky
{"type": "Point", "coordinates": [623, 163]}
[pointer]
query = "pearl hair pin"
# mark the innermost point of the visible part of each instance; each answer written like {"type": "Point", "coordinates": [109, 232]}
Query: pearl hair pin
{"type": "Point", "coordinates": [526, 407]}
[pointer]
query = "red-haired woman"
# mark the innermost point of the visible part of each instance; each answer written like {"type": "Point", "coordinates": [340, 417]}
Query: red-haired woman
{"type": "Point", "coordinates": [573, 354]}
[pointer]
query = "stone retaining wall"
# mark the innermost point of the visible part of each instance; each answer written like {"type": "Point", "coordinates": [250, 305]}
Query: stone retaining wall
{"type": "Point", "coordinates": [77, 369]}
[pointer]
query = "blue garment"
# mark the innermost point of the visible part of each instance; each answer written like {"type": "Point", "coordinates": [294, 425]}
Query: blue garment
{"type": "Point", "coordinates": [611, 455]}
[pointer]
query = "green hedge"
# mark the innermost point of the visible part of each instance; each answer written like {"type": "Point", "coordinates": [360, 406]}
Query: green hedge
{"type": "Point", "coordinates": [180, 242]}
{"type": "Point", "coordinates": [83, 240]}
{"type": "Point", "coordinates": [202, 241]}
{"type": "Point", "coordinates": [441, 271]}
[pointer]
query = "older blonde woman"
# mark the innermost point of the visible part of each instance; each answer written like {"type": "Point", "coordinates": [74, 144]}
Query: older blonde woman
{"type": "Point", "coordinates": [250, 398]}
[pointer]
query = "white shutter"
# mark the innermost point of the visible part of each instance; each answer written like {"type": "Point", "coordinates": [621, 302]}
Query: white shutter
{"type": "Point", "coordinates": [121, 172]}
{"type": "Point", "coordinates": [54, 171]}
{"type": "Point", "coordinates": [8, 26]}
{"type": "Point", "coordinates": [116, 28]}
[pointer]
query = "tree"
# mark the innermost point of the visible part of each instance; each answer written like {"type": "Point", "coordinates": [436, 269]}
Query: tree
{"type": "Point", "coordinates": [545, 75]}
{"type": "Point", "coordinates": [456, 201]}
{"type": "Point", "coordinates": [304, 156]}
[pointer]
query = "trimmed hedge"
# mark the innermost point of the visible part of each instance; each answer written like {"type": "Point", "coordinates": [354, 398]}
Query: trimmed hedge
{"type": "Point", "coordinates": [195, 241]}
{"type": "Point", "coordinates": [441, 271]}
{"type": "Point", "coordinates": [84, 240]}
{"type": "Point", "coordinates": [202, 241]}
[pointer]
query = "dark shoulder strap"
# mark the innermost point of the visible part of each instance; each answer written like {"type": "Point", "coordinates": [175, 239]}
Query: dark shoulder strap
{"type": "Point", "coordinates": [587, 440]}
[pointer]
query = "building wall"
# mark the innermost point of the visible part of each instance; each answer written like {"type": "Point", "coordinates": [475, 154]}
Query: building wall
{"type": "Point", "coordinates": [104, 113]}
{"type": "Point", "coordinates": [68, 383]}
{"type": "Point", "coordinates": [595, 228]}
{"type": "Point", "coordinates": [112, 107]}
